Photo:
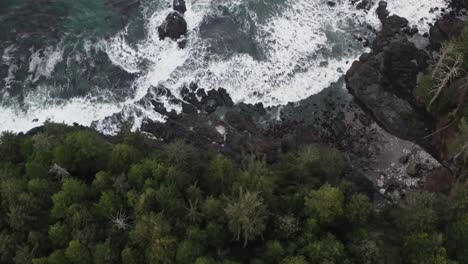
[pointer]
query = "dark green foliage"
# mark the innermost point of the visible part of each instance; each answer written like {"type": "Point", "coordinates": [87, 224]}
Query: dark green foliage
{"type": "Point", "coordinates": [425, 248]}
{"type": "Point", "coordinates": [181, 205]}
{"type": "Point", "coordinates": [10, 148]}
{"type": "Point", "coordinates": [325, 204]}
{"type": "Point", "coordinates": [82, 153]}
{"type": "Point", "coordinates": [122, 157]}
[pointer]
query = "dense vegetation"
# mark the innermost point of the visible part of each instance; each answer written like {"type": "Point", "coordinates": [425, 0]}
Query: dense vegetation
{"type": "Point", "coordinates": [72, 196]}
{"type": "Point", "coordinates": [444, 92]}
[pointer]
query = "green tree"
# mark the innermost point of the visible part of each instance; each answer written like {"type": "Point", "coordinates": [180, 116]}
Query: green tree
{"type": "Point", "coordinates": [273, 252]}
{"type": "Point", "coordinates": [59, 234]}
{"type": "Point", "coordinates": [188, 251]}
{"type": "Point", "coordinates": [10, 148]}
{"type": "Point", "coordinates": [417, 212]}
{"type": "Point", "coordinates": [325, 204]}
{"type": "Point", "coordinates": [108, 204]}
{"type": "Point", "coordinates": [103, 253]}
{"type": "Point", "coordinates": [213, 209]}
{"type": "Point", "coordinates": [129, 256]}
{"type": "Point", "coordinates": [247, 216]}
{"type": "Point", "coordinates": [457, 238]}
{"type": "Point", "coordinates": [82, 153]}
{"type": "Point", "coordinates": [294, 260]}
{"type": "Point", "coordinates": [58, 257]}
{"type": "Point", "coordinates": [425, 248]}
{"type": "Point", "coordinates": [326, 250]}
{"type": "Point", "coordinates": [366, 247]}
{"type": "Point", "coordinates": [72, 192]}
{"type": "Point", "coordinates": [122, 157]}
{"type": "Point", "coordinates": [205, 260]}
{"type": "Point", "coordinates": [77, 253]}
{"type": "Point", "coordinates": [220, 175]}
{"type": "Point", "coordinates": [358, 209]}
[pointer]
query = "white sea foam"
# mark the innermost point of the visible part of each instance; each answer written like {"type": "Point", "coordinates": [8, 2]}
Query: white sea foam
{"type": "Point", "coordinates": [43, 62]}
{"type": "Point", "coordinates": [418, 12]}
{"type": "Point", "coordinates": [295, 44]}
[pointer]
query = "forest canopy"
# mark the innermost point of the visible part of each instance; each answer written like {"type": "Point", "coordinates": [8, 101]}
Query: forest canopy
{"type": "Point", "coordinates": [72, 196]}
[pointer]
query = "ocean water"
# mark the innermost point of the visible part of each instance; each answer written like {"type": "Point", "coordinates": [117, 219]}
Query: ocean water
{"type": "Point", "coordinates": [96, 72]}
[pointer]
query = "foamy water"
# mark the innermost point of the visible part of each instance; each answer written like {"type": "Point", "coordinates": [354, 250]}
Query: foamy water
{"type": "Point", "coordinates": [305, 47]}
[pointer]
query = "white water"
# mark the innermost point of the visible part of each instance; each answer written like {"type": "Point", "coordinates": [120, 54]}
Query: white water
{"type": "Point", "coordinates": [294, 42]}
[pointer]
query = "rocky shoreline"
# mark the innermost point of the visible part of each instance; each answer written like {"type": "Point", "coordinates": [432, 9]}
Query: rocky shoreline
{"type": "Point", "coordinates": [374, 125]}
{"type": "Point", "coordinates": [370, 115]}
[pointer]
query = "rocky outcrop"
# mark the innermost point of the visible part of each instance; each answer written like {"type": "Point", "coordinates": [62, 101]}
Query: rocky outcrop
{"type": "Point", "coordinates": [382, 12]}
{"type": "Point", "coordinates": [174, 26]}
{"type": "Point", "coordinates": [383, 81]}
{"type": "Point", "coordinates": [179, 6]}
{"type": "Point", "coordinates": [446, 28]}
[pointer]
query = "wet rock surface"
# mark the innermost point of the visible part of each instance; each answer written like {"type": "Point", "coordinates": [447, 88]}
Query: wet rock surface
{"type": "Point", "coordinates": [330, 118]}
{"type": "Point", "coordinates": [383, 82]}
{"type": "Point", "coordinates": [179, 5]}
{"type": "Point", "coordinates": [174, 26]}
{"type": "Point", "coordinates": [374, 122]}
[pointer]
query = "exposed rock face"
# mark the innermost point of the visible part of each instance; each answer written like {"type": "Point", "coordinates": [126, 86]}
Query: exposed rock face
{"type": "Point", "coordinates": [383, 81]}
{"type": "Point", "coordinates": [444, 29]}
{"type": "Point", "coordinates": [174, 26]}
{"type": "Point", "coordinates": [179, 5]}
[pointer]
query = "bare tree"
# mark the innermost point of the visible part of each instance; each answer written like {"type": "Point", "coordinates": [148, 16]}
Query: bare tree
{"type": "Point", "coordinates": [448, 68]}
{"type": "Point", "coordinates": [121, 220]}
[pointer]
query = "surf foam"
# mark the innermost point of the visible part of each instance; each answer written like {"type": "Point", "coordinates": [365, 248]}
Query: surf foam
{"type": "Point", "coordinates": [306, 47]}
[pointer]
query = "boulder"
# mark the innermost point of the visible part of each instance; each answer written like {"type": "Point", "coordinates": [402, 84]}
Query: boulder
{"type": "Point", "coordinates": [179, 5]}
{"type": "Point", "coordinates": [174, 26]}
{"type": "Point", "coordinates": [444, 29]}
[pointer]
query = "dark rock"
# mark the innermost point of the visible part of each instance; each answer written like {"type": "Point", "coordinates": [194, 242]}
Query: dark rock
{"type": "Point", "coordinates": [383, 82]}
{"type": "Point", "coordinates": [217, 98]}
{"type": "Point", "coordinates": [182, 43]}
{"type": "Point", "coordinates": [411, 30]}
{"type": "Point", "coordinates": [391, 29]}
{"type": "Point", "coordinates": [331, 4]}
{"type": "Point", "coordinates": [364, 4]}
{"type": "Point", "coordinates": [179, 5]}
{"type": "Point", "coordinates": [174, 26]}
{"type": "Point", "coordinates": [189, 108]}
{"type": "Point", "coordinates": [444, 29]}
{"type": "Point", "coordinates": [382, 11]}
{"type": "Point", "coordinates": [241, 121]}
